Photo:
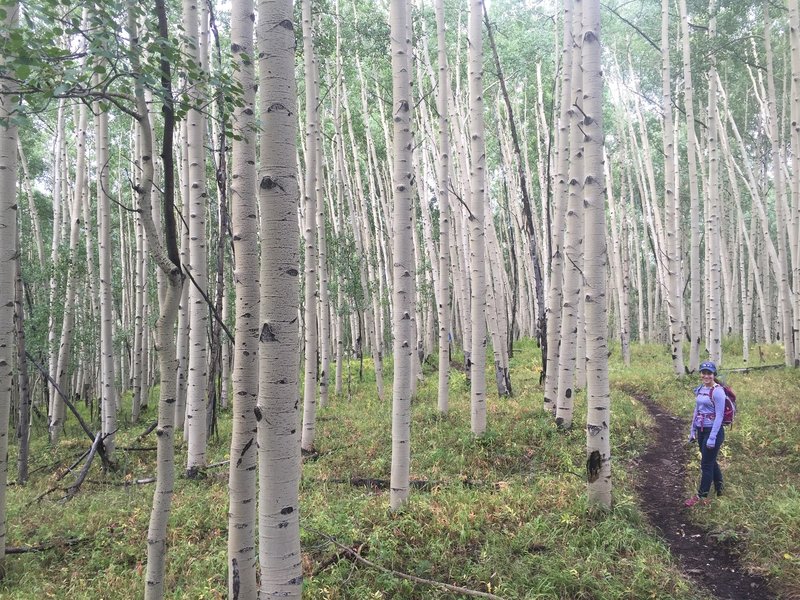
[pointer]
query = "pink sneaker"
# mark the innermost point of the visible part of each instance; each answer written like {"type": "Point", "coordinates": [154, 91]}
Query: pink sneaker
{"type": "Point", "coordinates": [694, 500]}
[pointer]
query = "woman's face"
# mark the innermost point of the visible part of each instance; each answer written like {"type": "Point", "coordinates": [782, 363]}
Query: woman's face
{"type": "Point", "coordinates": [707, 377]}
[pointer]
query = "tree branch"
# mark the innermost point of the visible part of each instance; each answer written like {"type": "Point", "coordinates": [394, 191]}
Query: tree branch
{"type": "Point", "coordinates": [445, 586]}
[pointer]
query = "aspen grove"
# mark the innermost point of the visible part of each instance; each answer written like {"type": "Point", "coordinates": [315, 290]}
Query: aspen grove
{"type": "Point", "coordinates": [296, 292]}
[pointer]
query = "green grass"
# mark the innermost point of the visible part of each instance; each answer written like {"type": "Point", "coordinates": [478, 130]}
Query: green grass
{"type": "Point", "coordinates": [506, 514]}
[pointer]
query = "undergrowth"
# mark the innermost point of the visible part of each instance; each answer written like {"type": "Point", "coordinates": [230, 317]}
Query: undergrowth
{"type": "Point", "coordinates": [504, 513]}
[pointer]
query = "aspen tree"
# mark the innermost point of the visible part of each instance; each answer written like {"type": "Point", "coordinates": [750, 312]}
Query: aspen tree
{"type": "Point", "coordinates": [695, 223]}
{"type": "Point", "coordinates": [673, 284]}
{"type": "Point", "coordinates": [8, 250]}
{"type": "Point", "coordinates": [598, 447]}
{"type": "Point", "coordinates": [324, 294]}
{"type": "Point", "coordinates": [310, 229]}
{"type": "Point", "coordinates": [184, 310]}
{"type": "Point", "coordinates": [24, 406]}
{"type": "Point", "coordinates": [279, 357]}
{"type": "Point", "coordinates": [573, 239]}
{"type": "Point", "coordinates": [527, 208]}
{"type": "Point", "coordinates": [68, 323]}
{"type": "Point", "coordinates": [794, 49]}
{"type": "Point", "coordinates": [461, 235]}
{"type": "Point", "coordinates": [620, 285]}
{"type": "Point", "coordinates": [167, 259]}
{"type": "Point", "coordinates": [477, 229]}
{"type": "Point", "coordinates": [756, 208]}
{"type": "Point", "coordinates": [108, 400]}
{"type": "Point", "coordinates": [34, 212]}
{"type": "Point", "coordinates": [244, 212]}
{"type": "Point", "coordinates": [403, 270]}
{"type": "Point", "coordinates": [140, 262]}
{"type": "Point", "coordinates": [784, 293]}
{"type": "Point", "coordinates": [443, 177]}
{"type": "Point", "coordinates": [197, 375]}
{"type": "Point", "coordinates": [713, 222]}
{"type": "Point", "coordinates": [59, 214]}
{"type": "Point", "coordinates": [355, 204]}
{"type": "Point", "coordinates": [556, 258]}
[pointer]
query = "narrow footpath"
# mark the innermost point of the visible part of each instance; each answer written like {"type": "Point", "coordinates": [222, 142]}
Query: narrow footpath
{"type": "Point", "coordinates": [712, 564]}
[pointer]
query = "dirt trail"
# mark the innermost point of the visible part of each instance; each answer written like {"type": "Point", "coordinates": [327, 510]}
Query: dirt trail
{"type": "Point", "coordinates": [712, 564]}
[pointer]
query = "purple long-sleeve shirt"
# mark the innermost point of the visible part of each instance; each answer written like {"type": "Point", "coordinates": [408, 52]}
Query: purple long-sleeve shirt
{"type": "Point", "coordinates": [708, 411]}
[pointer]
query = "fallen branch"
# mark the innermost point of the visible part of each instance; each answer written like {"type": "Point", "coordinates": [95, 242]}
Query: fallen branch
{"type": "Point", "coordinates": [137, 448]}
{"type": "Point", "coordinates": [147, 431]}
{"type": "Point", "coordinates": [424, 485]}
{"type": "Point", "coordinates": [73, 489]}
{"type": "Point", "coordinates": [90, 435]}
{"type": "Point", "coordinates": [358, 548]}
{"type": "Point", "coordinates": [445, 586]}
{"type": "Point", "coordinates": [48, 546]}
{"type": "Point", "coordinates": [143, 481]}
{"type": "Point", "coordinates": [753, 368]}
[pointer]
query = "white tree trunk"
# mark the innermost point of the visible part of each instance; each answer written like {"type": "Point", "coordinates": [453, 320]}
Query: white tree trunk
{"type": "Point", "coordinates": [65, 345]}
{"type": "Point", "coordinates": [477, 239]}
{"type": "Point", "coordinates": [404, 269]}
{"type": "Point", "coordinates": [310, 229]}
{"type": "Point", "coordinates": [671, 206]}
{"type": "Point", "coordinates": [279, 356]}
{"type": "Point", "coordinates": [197, 379]}
{"type": "Point", "coordinates": [598, 447]}
{"type": "Point", "coordinates": [244, 223]}
{"type": "Point", "coordinates": [561, 192]}
{"type": "Point", "coordinates": [108, 397]}
{"type": "Point", "coordinates": [8, 250]}
{"type": "Point", "coordinates": [573, 240]}
{"type": "Point", "coordinates": [443, 178]}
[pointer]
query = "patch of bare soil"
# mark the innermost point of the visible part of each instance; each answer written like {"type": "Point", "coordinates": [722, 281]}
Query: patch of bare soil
{"type": "Point", "coordinates": [714, 565]}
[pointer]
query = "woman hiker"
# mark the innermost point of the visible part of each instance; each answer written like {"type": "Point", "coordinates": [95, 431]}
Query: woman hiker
{"type": "Point", "coordinates": [707, 429]}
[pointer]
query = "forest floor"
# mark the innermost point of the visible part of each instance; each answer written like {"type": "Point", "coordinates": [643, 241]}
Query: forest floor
{"type": "Point", "coordinates": [505, 513]}
{"type": "Point", "coordinates": [712, 563]}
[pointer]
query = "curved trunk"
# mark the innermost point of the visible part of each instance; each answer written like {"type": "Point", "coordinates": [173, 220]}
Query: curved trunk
{"type": "Point", "coordinates": [166, 257]}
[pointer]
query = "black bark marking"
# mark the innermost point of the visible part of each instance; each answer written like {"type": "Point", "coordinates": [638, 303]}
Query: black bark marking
{"type": "Point", "coordinates": [593, 464]}
{"type": "Point", "coordinates": [287, 511]}
{"type": "Point", "coordinates": [244, 451]}
{"type": "Point", "coordinates": [235, 581]}
{"type": "Point", "coordinates": [258, 414]}
{"type": "Point", "coordinates": [267, 335]}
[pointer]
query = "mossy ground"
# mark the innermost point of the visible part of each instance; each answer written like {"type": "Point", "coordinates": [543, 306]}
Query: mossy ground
{"type": "Point", "coordinates": [506, 512]}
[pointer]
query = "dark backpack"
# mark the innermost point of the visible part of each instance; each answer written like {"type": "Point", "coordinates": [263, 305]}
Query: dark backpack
{"type": "Point", "coordinates": [730, 405]}
{"type": "Point", "coordinates": [730, 402]}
